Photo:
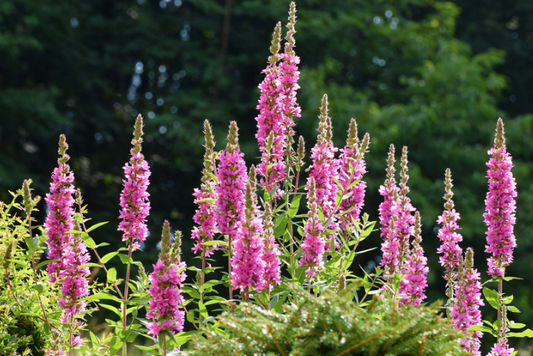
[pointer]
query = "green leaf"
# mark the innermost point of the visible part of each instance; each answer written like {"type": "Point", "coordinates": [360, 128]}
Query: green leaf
{"type": "Point", "coordinates": [295, 204]}
{"type": "Point", "coordinates": [516, 325]}
{"type": "Point", "coordinates": [215, 242]}
{"type": "Point", "coordinates": [44, 263]}
{"type": "Point", "coordinates": [29, 243]}
{"type": "Point", "coordinates": [125, 259]}
{"type": "Point", "coordinates": [513, 309]}
{"type": "Point", "coordinates": [95, 226]}
{"type": "Point", "coordinates": [481, 328]}
{"type": "Point", "coordinates": [108, 257]}
{"type": "Point", "coordinates": [112, 275]}
{"type": "Point", "coordinates": [88, 241]}
{"type": "Point", "coordinates": [90, 264]}
{"type": "Point", "coordinates": [525, 333]}
{"type": "Point", "coordinates": [210, 284]}
{"type": "Point", "coordinates": [39, 288]}
{"type": "Point", "coordinates": [115, 345]}
{"type": "Point", "coordinates": [99, 296]}
{"type": "Point", "coordinates": [94, 339]}
{"type": "Point", "coordinates": [492, 297]}
{"type": "Point", "coordinates": [147, 348]}
{"type": "Point", "coordinates": [508, 299]}
{"type": "Point", "coordinates": [110, 307]}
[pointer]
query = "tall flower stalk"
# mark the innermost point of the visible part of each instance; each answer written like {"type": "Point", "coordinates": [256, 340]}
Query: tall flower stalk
{"type": "Point", "coordinates": [166, 301]}
{"type": "Point", "coordinates": [449, 248]}
{"type": "Point", "coordinates": [389, 191]}
{"type": "Point", "coordinates": [277, 106]}
{"type": "Point", "coordinates": [500, 219]}
{"type": "Point", "coordinates": [324, 169]}
{"type": "Point", "coordinates": [205, 198]}
{"type": "Point", "coordinates": [135, 206]}
{"type": "Point", "coordinates": [413, 285]}
{"type": "Point", "coordinates": [352, 168]}
{"type": "Point", "coordinates": [231, 174]}
{"type": "Point", "coordinates": [68, 249]}
{"type": "Point", "coordinates": [248, 265]}
{"type": "Point", "coordinates": [313, 245]}
{"type": "Point", "coordinates": [464, 310]}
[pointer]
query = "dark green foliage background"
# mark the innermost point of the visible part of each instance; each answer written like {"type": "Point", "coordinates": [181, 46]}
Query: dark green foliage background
{"type": "Point", "coordinates": [437, 82]}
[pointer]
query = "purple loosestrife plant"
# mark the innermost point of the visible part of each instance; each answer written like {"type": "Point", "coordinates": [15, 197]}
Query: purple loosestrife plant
{"type": "Point", "coordinates": [60, 215]}
{"type": "Point", "coordinates": [135, 207]}
{"type": "Point", "coordinates": [500, 219]}
{"type": "Point", "coordinates": [413, 285]}
{"type": "Point", "coordinates": [449, 248]}
{"type": "Point", "coordinates": [205, 198]}
{"type": "Point", "coordinates": [464, 310]}
{"type": "Point", "coordinates": [500, 206]}
{"type": "Point", "coordinates": [313, 245]}
{"type": "Point", "coordinates": [351, 171]}
{"type": "Point", "coordinates": [277, 105]}
{"type": "Point", "coordinates": [69, 249]}
{"type": "Point", "coordinates": [271, 256]}
{"type": "Point", "coordinates": [324, 169]}
{"type": "Point", "coordinates": [166, 299]}
{"type": "Point", "coordinates": [231, 175]}
{"type": "Point", "coordinates": [248, 265]}
{"type": "Point", "coordinates": [389, 191]}
{"type": "Point", "coordinates": [134, 202]}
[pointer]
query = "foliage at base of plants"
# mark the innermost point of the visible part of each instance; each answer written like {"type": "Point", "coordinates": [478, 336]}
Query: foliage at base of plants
{"type": "Point", "coordinates": [332, 324]}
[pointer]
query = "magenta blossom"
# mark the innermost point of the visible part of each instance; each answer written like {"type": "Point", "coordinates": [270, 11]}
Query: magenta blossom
{"type": "Point", "coordinates": [134, 202]}
{"type": "Point", "coordinates": [465, 306]}
{"type": "Point", "coordinates": [248, 265]}
{"type": "Point", "coordinates": [352, 167]}
{"type": "Point", "coordinates": [500, 206]}
{"type": "Point", "coordinates": [231, 174]}
{"type": "Point", "coordinates": [313, 245]}
{"type": "Point", "coordinates": [205, 198]}
{"type": "Point", "coordinates": [165, 291]}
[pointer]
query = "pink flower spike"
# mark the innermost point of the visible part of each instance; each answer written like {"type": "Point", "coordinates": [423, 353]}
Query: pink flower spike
{"type": "Point", "coordinates": [449, 248]}
{"type": "Point", "coordinates": [313, 245]}
{"type": "Point", "coordinates": [500, 206]}
{"type": "Point", "coordinates": [166, 280]}
{"type": "Point", "coordinates": [134, 202]}
{"type": "Point", "coordinates": [324, 169]}
{"type": "Point", "coordinates": [352, 168]}
{"type": "Point", "coordinates": [206, 198]}
{"type": "Point", "coordinates": [412, 287]}
{"type": "Point", "coordinates": [248, 265]}
{"type": "Point", "coordinates": [231, 174]}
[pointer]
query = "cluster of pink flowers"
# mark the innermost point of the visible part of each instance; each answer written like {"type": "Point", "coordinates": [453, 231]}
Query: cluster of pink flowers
{"type": "Point", "coordinates": [352, 167]}
{"type": "Point", "coordinates": [324, 169]}
{"type": "Point", "coordinates": [313, 246]}
{"type": "Point", "coordinates": [413, 285]}
{"type": "Point", "coordinates": [69, 249]}
{"type": "Point", "coordinates": [59, 219]}
{"type": "Point", "coordinates": [134, 202]}
{"type": "Point", "coordinates": [248, 265]}
{"type": "Point", "coordinates": [231, 174]}
{"type": "Point", "coordinates": [465, 306]}
{"type": "Point", "coordinates": [205, 197]}
{"type": "Point", "coordinates": [166, 294]}
{"type": "Point", "coordinates": [390, 246]}
{"type": "Point", "coordinates": [449, 248]}
{"type": "Point", "coordinates": [277, 105]}
{"type": "Point", "coordinates": [501, 348]}
{"type": "Point", "coordinates": [272, 264]}
{"type": "Point", "coordinates": [500, 207]}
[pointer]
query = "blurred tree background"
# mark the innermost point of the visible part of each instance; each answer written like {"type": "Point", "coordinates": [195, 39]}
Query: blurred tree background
{"type": "Point", "coordinates": [429, 74]}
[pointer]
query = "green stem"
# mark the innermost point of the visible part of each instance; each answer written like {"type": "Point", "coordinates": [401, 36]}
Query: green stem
{"type": "Point", "coordinates": [125, 296]}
